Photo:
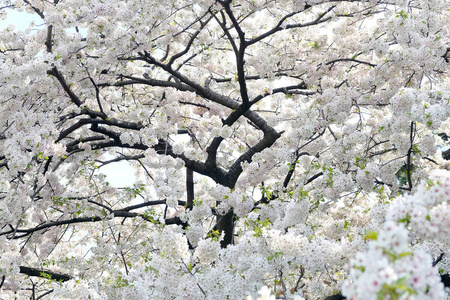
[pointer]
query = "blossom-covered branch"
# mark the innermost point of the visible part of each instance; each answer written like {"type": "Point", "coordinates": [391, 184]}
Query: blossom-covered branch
{"type": "Point", "coordinates": [225, 149]}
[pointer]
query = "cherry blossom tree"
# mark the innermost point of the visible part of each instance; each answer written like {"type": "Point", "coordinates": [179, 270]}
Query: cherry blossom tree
{"type": "Point", "coordinates": [288, 149]}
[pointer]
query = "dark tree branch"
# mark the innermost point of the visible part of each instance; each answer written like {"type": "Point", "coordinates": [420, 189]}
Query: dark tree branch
{"type": "Point", "coordinates": [445, 279]}
{"type": "Point", "coordinates": [121, 213]}
{"type": "Point", "coordinates": [335, 297]}
{"type": "Point", "coordinates": [292, 89]}
{"type": "Point", "coordinates": [36, 10]}
{"type": "Point", "coordinates": [83, 111]}
{"type": "Point", "coordinates": [48, 42]}
{"type": "Point", "coordinates": [97, 92]}
{"type": "Point", "coordinates": [350, 59]}
{"type": "Point", "coordinates": [45, 294]}
{"type": "Point", "coordinates": [44, 274]}
{"type": "Point", "coordinates": [292, 169]}
{"type": "Point", "coordinates": [149, 203]}
{"type": "Point", "coordinates": [4, 164]}
{"type": "Point", "coordinates": [446, 154]}
{"type": "Point", "coordinates": [390, 185]}
{"type": "Point", "coordinates": [190, 42]}
{"type": "Point", "coordinates": [226, 224]}
{"type": "Point", "coordinates": [240, 63]}
{"type": "Point", "coordinates": [438, 259]}
{"type": "Point", "coordinates": [313, 178]}
{"type": "Point", "coordinates": [279, 26]}
{"type": "Point", "coordinates": [408, 156]}
{"type": "Point", "coordinates": [256, 77]}
{"type": "Point", "coordinates": [57, 74]}
{"type": "Point", "coordinates": [226, 31]}
{"type": "Point", "coordinates": [446, 56]}
{"type": "Point", "coordinates": [122, 158]}
{"type": "Point", "coordinates": [236, 168]}
{"type": "Point", "coordinates": [74, 144]}
{"type": "Point", "coordinates": [75, 126]}
{"type": "Point", "coordinates": [190, 188]}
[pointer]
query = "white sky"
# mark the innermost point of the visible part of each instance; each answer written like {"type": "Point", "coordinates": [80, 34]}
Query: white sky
{"type": "Point", "coordinates": [21, 20]}
{"type": "Point", "coordinates": [119, 174]}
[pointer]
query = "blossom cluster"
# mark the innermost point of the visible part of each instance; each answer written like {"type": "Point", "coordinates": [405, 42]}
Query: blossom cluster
{"type": "Point", "coordinates": [390, 269]}
{"type": "Point", "coordinates": [427, 211]}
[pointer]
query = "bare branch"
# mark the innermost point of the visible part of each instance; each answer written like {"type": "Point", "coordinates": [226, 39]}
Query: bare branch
{"type": "Point", "coordinates": [55, 72]}
{"type": "Point", "coordinates": [44, 274]}
{"type": "Point", "coordinates": [350, 59]}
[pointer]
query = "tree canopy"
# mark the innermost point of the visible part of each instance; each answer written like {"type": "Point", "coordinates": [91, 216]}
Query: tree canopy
{"type": "Point", "coordinates": [296, 149]}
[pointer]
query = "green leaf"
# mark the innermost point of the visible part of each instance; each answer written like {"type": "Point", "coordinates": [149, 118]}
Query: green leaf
{"type": "Point", "coordinates": [361, 268]}
{"type": "Point", "coordinates": [371, 235]}
{"type": "Point", "coordinates": [403, 254]}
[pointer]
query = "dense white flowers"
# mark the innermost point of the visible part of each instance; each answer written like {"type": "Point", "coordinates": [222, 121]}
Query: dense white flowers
{"type": "Point", "coordinates": [266, 294]}
{"type": "Point", "coordinates": [390, 269]}
{"type": "Point", "coordinates": [126, 138]}
{"type": "Point", "coordinates": [81, 288]}
{"type": "Point", "coordinates": [427, 211]}
{"type": "Point", "coordinates": [269, 140]}
{"type": "Point", "coordinates": [207, 251]}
